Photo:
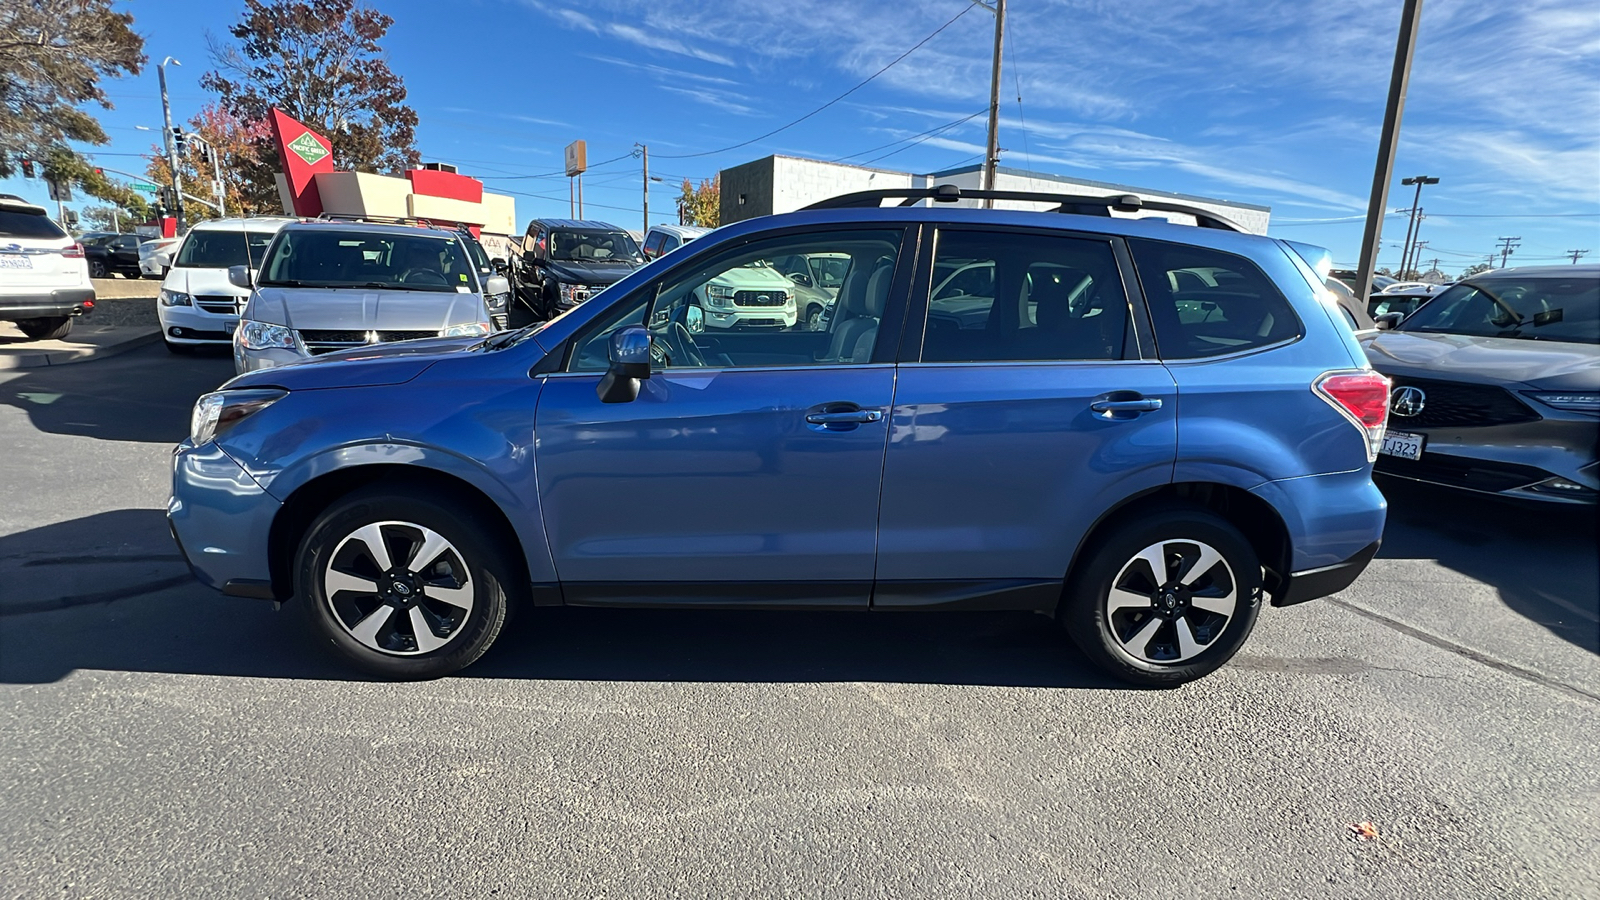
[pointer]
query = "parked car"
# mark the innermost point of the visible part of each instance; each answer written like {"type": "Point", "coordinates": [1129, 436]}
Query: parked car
{"type": "Point", "coordinates": [44, 280]}
{"type": "Point", "coordinates": [155, 256]}
{"type": "Point", "coordinates": [817, 278]}
{"type": "Point", "coordinates": [498, 303]}
{"type": "Point", "coordinates": [1401, 299]}
{"type": "Point", "coordinates": [663, 239]}
{"type": "Point", "coordinates": [1497, 385]}
{"type": "Point", "coordinates": [1349, 277]}
{"type": "Point", "coordinates": [567, 261]}
{"type": "Point", "coordinates": [337, 285]}
{"type": "Point", "coordinates": [112, 254]}
{"type": "Point", "coordinates": [754, 295]}
{"type": "Point", "coordinates": [197, 305]}
{"type": "Point", "coordinates": [1035, 457]}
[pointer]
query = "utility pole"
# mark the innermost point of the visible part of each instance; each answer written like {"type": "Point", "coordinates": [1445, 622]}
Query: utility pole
{"type": "Point", "coordinates": [1575, 254]}
{"type": "Point", "coordinates": [644, 156]}
{"type": "Point", "coordinates": [172, 154]}
{"type": "Point", "coordinates": [1416, 261]}
{"type": "Point", "coordinates": [1399, 79]}
{"type": "Point", "coordinates": [1507, 246]}
{"type": "Point", "coordinates": [1416, 216]}
{"type": "Point", "coordinates": [991, 158]}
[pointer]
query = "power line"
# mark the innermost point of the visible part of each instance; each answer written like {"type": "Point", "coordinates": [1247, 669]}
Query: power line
{"type": "Point", "coordinates": [930, 132]}
{"type": "Point", "coordinates": [1016, 77]}
{"type": "Point", "coordinates": [921, 140]}
{"type": "Point", "coordinates": [859, 85]}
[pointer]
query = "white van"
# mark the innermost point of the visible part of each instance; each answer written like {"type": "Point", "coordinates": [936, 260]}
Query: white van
{"type": "Point", "coordinates": [197, 305]}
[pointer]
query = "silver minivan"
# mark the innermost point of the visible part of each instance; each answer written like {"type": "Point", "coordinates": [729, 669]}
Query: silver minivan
{"type": "Point", "coordinates": [337, 285]}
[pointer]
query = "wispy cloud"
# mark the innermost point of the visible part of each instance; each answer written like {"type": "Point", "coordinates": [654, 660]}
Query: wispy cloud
{"type": "Point", "coordinates": [727, 101]}
{"type": "Point", "coordinates": [641, 37]}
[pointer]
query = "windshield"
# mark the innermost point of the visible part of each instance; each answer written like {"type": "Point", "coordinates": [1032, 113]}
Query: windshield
{"type": "Point", "coordinates": [594, 246]}
{"type": "Point", "coordinates": [1537, 308]}
{"type": "Point", "coordinates": [218, 249]}
{"type": "Point", "coordinates": [327, 258]}
{"type": "Point", "coordinates": [479, 258]}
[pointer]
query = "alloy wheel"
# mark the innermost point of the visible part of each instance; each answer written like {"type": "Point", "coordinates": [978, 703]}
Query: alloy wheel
{"type": "Point", "coordinates": [1171, 601]}
{"type": "Point", "coordinates": [398, 588]}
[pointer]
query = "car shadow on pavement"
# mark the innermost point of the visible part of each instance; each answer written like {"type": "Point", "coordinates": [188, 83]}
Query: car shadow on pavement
{"type": "Point", "coordinates": [1540, 558]}
{"type": "Point", "coordinates": [118, 399]}
{"type": "Point", "coordinates": [121, 599]}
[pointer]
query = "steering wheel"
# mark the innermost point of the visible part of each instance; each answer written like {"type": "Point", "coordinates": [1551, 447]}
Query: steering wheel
{"type": "Point", "coordinates": [680, 348]}
{"type": "Point", "coordinates": [423, 276]}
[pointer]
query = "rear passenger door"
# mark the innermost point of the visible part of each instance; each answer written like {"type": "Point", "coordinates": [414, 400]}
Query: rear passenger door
{"type": "Point", "coordinates": [1026, 404]}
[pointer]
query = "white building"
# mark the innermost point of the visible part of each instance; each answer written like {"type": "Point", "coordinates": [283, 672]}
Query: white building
{"type": "Point", "coordinates": [779, 184]}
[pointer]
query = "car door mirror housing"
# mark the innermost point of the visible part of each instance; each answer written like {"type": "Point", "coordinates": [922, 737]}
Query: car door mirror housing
{"type": "Point", "coordinates": [629, 353]}
{"type": "Point", "coordinates": [495, 285]}
{"type": "Point", "coordinates": [1388, 321]}
{"type": "Point", "coordinates": [801, 279]}
{"type": "Point", "coordinates": [241, 277]}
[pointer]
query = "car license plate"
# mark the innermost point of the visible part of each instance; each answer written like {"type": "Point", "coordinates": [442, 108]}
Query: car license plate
{"type": "Point", "coordinates": [15, 261]}
{"type": "Point", "coordinates": [1403, 444]}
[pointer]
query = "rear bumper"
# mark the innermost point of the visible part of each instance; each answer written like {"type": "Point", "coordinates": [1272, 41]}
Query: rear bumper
{"type": "Point", "coordinates": [61, 302]}
{"type": "Point", "coordinates": [1313, 584]}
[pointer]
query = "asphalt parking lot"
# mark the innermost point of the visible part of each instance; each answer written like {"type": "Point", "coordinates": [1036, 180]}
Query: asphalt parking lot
{"type": "Point", "coordinates": [157, 739]}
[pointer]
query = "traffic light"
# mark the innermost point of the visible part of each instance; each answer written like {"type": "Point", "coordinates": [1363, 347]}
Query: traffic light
{"type": "Point", "coordinates": [179, 139]}
{"type": "Point", "coordinates": [27, 168]}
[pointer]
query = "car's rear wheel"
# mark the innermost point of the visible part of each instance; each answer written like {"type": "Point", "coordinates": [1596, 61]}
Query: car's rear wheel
{"type": "Point", "coordinates": [50, 328]}
{"type": "Point", "coordinates": [814, 319]}
{"type": "Point", "coordinates": [97, 269]}
{"type": "Point", "coordinates": [405, 587]}
{"type": "Point", "coordinates": [1164, 598]}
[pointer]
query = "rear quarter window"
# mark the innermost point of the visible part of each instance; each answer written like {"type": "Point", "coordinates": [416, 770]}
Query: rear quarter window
{"type": "Point", "coordinates": [28, 225]}
{"type": "Point", "coordinates": [1209, 303]}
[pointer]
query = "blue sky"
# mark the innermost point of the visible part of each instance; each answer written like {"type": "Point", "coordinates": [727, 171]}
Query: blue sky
{"type": "Point", "coordinates": [1276, 102]}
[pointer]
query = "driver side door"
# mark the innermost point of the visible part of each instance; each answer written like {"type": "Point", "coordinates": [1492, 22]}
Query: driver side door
{"type": "Point", "coordinates": [737, 475]}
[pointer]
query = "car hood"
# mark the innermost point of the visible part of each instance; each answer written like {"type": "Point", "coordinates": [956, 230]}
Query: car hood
{"type": "Point", "coordinates": [576, 272]}
{"type": "Point", "coordinates": [754, 278]}
{"type": "Point", "coordinates": [354, 309]}
{"type": "Point", "coordinates": [204, 282]}
{"type": "Point", "coordinates": [370, 366]}
{"type": "Point", "coordinates": [1458, 357]}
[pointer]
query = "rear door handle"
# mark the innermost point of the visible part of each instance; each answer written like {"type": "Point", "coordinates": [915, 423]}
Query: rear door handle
{"type": "Point", "coordinates": [1146, 404]}
{"type": "Point", "coordinates": [856, 416]}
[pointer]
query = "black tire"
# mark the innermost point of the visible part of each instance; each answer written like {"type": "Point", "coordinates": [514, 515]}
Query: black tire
{"type": "Point", "coordinates": [1103, 634]}
{"type": "Point", "coordinates": [50, 328]}
{"type": "Point", "coordinates": [552, 300]}
{"type": "Point", "coordinates": [97, 269]}
{"type": "Point", "coordinates": [180, 349]}
{"type": "Point", "coordinates": [813, 318]}
{"type": "Point", "coordinates": [469, 547]}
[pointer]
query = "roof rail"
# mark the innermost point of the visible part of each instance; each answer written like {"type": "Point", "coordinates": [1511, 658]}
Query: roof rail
{"type": "Point", "coordinates": [389, 220]}
{"type": "Point", "coordinates": [1073, 204]}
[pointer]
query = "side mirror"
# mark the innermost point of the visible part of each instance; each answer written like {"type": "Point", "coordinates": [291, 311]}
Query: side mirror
{"type": "Point", "coordinates": [801, 279]}
{"type": "Point", "coordinates": [241, 277]}
{"type": "Point", "coordinates": [1388, 321]}
{"type": "Point", "coordinates": [630, 363]}
{"type": "Point", "coordinates": [694, 319]}
{"type": "Point", "coordinates": [495, 285]}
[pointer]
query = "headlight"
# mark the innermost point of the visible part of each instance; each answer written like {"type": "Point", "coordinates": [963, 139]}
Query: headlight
{"type": "Point", "coordinates": [718, 292]}
{"type": "Point", "coordinates": [496, 302]}
{"type": "Point", "coordinates": [174, 298]}
{"type": "Point", "coordinates": [266, 336]}
{"type": "Point", "coordinates": [1576, 401]}
{"type": "Point", "coordinates": [215, 413]}
{"type": "Point", "coordinates": [788, 299]}
{"type": "Point", "coordinates": [574, 293]}
{"type": "Point", "coordinates": [468, 329]}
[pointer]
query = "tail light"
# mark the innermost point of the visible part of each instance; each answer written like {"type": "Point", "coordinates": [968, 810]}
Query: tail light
{"type": "Point", "coordinates": [1362, 395]}
{"type": "Point", "coordinates": [73, 252]}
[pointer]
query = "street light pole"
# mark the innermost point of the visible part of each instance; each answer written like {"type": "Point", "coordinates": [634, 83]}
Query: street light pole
{"type": "Point", "coordinates": [1416, 216]}
{"type": "Point", "coordinates": [172, 153]}
{"type": "Point", "coordinates": [1399, 78]}
{"type": "Point", "coordinates": [991, 157]}
{"type": "Point", "coordinates": [644, 156]}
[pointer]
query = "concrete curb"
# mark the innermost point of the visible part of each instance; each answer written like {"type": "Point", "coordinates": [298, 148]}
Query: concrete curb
{"type": "Point", "coordinates": [20, 358]}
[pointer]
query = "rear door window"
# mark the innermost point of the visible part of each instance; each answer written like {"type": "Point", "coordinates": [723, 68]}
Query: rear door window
{"type": "Point", "coordinates": [1208, 303]}
{"type": "Point", "coordinates": [1017, 297]}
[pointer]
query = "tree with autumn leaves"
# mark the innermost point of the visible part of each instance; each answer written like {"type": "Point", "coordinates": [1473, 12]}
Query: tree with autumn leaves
{"type": "Point", "coordinates": [320, 62]}
{"type": "Point", "coordinates": [701, 205]}
{"type": "Point", "coordinates": [238, 144]}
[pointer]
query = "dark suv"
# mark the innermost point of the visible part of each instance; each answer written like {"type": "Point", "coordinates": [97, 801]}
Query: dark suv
{"type": "Point", "coordinates": [567, 261]}
{"type": "Point", "coordinates": [1145, 430]}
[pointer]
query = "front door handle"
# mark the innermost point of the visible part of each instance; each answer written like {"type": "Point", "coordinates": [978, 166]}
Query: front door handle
{"type": "Point", "coordinates": [1147, 404]}
{"type": "Point", "coordinates": [855, 416]}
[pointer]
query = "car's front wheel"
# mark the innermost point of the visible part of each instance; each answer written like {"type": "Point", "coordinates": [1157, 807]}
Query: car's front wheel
{"type": "Point", "coordinates": [1164, 598]}
{"type": "Point", "coordinates": [97, 269]}
{"type": "Point", "coordinates": [814, 319]}
{"type": "Point", "coordinates": [405, 587]}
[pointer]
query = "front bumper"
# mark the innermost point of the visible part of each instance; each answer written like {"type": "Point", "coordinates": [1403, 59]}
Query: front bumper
{"type": "Point", "coordinates": [1528, 461]}
{"type": "Point", "coordinates": [188, 325]}
{"type": "Point", "coordinates": [768, 317]}
{"type": "Point", "coordinates": [219, 517]}
{"type": "Point", "coordinates": [60, 302]}
{"type": "Point", "coordinates": [155, 265]}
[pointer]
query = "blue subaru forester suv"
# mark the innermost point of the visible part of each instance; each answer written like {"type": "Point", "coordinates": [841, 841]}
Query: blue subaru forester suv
{"type": "Point", "coordinates": [1142, 428]}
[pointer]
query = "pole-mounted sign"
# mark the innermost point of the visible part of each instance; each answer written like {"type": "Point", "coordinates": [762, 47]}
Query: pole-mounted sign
{"type": "Point", "coordinates": [304, 154]}
{"type": "Point", "coordinates": [577, 158]}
